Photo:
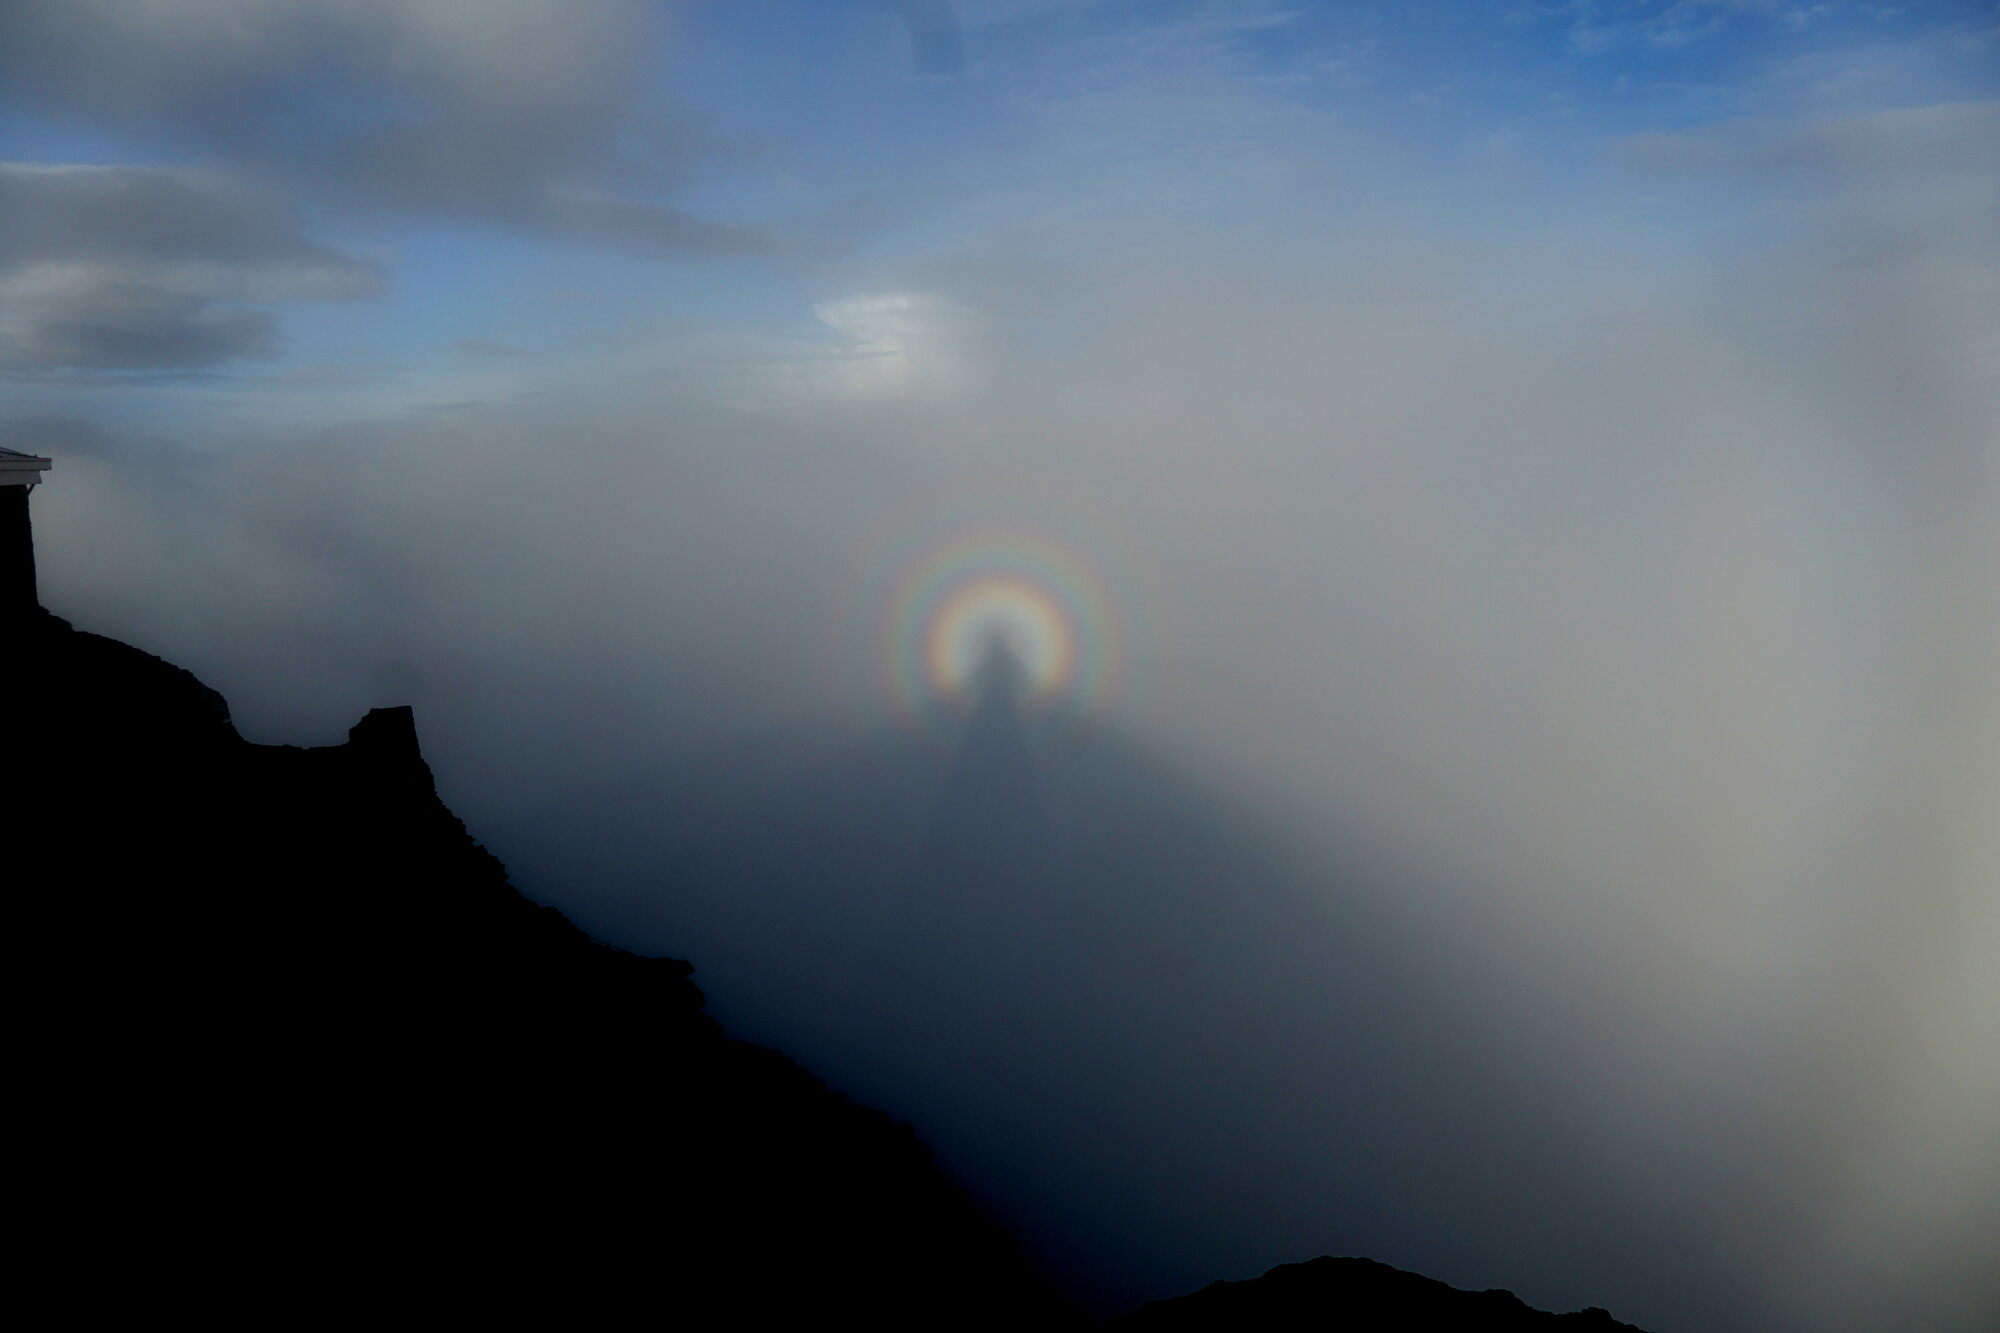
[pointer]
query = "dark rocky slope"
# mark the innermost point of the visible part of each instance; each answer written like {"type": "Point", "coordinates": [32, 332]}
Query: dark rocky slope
{"type": "Point", "coordinates": [294, 1051]}
{"type": "Point", "coordinates": [1353, 1296]}
{"type": "Point", "coordinates": [297, 1052]}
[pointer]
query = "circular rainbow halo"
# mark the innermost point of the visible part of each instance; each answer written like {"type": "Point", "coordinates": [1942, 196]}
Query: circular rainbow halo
{"type": "Point", "coordinates": [1024, 593]}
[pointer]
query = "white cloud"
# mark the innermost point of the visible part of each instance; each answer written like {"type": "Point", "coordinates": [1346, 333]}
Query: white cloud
{"type": "Point", "coordinates": [897, 345]}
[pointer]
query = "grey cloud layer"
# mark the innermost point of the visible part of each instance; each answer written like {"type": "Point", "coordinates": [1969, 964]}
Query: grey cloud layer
{"type": "Point", "coordinates": [518, 112]}
{"type": "Point", "coordinates": [136, 267]}
{"type": "Point", "coordinates": [462, 106]}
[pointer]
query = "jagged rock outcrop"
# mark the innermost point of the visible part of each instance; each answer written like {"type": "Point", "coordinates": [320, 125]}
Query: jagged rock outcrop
{"type": "Point", "coordinates": [1354, 1296]}
{"type": "Point", "coordinates": [298, 1053]}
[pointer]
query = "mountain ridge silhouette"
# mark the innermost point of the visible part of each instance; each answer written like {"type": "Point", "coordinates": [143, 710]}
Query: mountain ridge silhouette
{"type": "Point", "coordinates": [347, 1055]}
{"type": "Point", "coordinates": [298, 1017]}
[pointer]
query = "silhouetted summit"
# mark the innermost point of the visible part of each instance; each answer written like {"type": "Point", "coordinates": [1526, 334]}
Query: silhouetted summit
{"type": "Point", "coordinates": [299, 1053]}
{"type": "Point", "coordinates": [1355, 1296]}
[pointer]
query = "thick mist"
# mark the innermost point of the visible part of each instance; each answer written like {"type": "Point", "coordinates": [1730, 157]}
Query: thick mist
{"type": "Point", "coordinates": [1537, 826]}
